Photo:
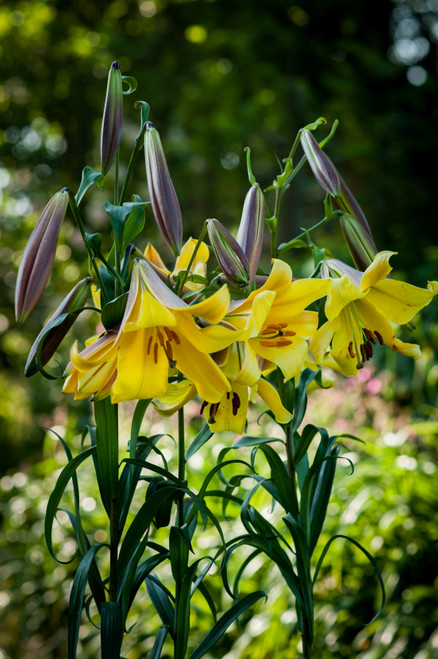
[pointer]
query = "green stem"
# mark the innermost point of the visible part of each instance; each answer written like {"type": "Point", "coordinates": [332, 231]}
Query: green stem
{"type": "Point", "coordinates": [78, 219]}
{"type": "Point", "coordinates": [285, 246]}
{"type": "Point", "coordinates": [137, 146]}
{"type": "Point", "coordinates": [114, 544]}
{"type": "Point", "coordinates": [192, 258]}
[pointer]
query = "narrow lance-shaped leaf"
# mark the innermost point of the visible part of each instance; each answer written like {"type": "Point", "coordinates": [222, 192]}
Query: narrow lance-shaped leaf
{"type": "Point", "coordinates": [162, 193]}
{"type": "Point", "coordinates": [54, 331]}
{"type": "Point", "coordinates": [112, 118]}
{"type": "Point", "coordinates": [39, 254]}
{"type": "Point", "coordinates": [250, 233]}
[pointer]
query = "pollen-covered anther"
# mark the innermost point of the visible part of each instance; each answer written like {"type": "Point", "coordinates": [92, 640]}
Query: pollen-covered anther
{"type": "Point", "coordinates": [213, 411]}
{"type": "Point", "coordinates": [370, 335]}
{"type": "Point", "coordinates": [236, 403]}
{"type": "Point", "coordinates": [351, 350]}
{"type": "Point", "coordinates": [379, 337]}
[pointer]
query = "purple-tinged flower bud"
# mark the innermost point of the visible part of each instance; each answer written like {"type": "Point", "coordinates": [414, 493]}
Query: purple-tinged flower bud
{"type": "Point", "coordinates": [57, 327]}
{"type": "Point", "coordinates": [39, 254]}
{"type": "Point", "coordinates": [250, 233]}
{"type": "Point", "coordinates": [229, 254]}
{"type": "Point", "coordinates": [112, 119]}
{"type": "Point", "coordinates": [359, 241]}
{"type": "Point", "coordinates": [347, 203]}
{"type": "Point", "coordinates": [322, 167]}
{"type": "Point", "coordinates": [163, 197]}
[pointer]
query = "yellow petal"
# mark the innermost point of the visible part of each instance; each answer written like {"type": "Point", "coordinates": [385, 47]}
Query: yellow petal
{"type": "Point", "coordinates": [376, 271]}
{"type": "Point", "coordinates": [289, 358]}
{"type": "Point", "coordinates": [341, 293]}
{"type": "Point", "coordinates": [152, 255]}
{"type": "Point", "coordinates": [230, 413]}
{"type": "Point", "coordinates": [250, 372]}
{"type": "Point", "coordinates": [321, 341]}
{"type": "Point", "coordinates": [400, 301]}
{"type": "Point", "coordinates": [142, 367]}
{"type": "Point", "coordinates": [201, 257]}
{"type": "Point", "coordinates": [213, 308]}
{"type": "Point", "coordinates": [270, 396]}
{"type": "Point", "coordinates": [209, 380]}
{"type": "Point", "coordinates": [294, 298]}
{"type": "Point", "coordinates": [176, 395]}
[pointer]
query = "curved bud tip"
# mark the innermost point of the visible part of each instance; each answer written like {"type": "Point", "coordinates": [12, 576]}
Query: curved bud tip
{"type": "Point", "coordinates": [322, 167]}
{"type": "Point", "coordinates": [112, 119]}
{"type": "Point", "coordinates": [39, 254]}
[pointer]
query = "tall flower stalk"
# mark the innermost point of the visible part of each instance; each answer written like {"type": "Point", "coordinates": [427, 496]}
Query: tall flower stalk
{"type": "Point", "coordinates": [213, 333]}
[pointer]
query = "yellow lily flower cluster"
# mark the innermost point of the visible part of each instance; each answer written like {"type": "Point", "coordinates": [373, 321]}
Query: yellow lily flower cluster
{"type": "Point", "coordinates": [222, 350]}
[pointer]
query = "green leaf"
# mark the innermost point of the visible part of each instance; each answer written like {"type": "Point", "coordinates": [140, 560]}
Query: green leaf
{"type": "Point", "coordinates": [118, 216]}
{"type": "Point", "coordinates": [133, 543]}
{"type": "Point", "coordinates": [134, 224]}
{"type": "Point", "coordinates": [160, 637]}
{"type": "Point", "coordinates": [77, 598]}
{"type": "Point", "coordinates": [160, 598]}
{"type": "Point", "coordinates": [52, 506]}
{"type": "Point", "coordinates": [111, 631]}
{"type": "Point", "coordinates": [255, 441]}
{"type": "Point", "coordinates": [89, 177]}
{"type": "Point", "coordinates": [107, 450]}
{"type": "Point", "coordinates": [371, 559]}
{"type": "Point", "coordinates": [201, 438]}
{"type": "Point", "coordinates": [112, 312]}
{"type": "Point", "coordinates": [221, 626]}
{"type": "Point", "coordinates": [303, 442]}
{"type": "Point", "coordinates": [179, 545]}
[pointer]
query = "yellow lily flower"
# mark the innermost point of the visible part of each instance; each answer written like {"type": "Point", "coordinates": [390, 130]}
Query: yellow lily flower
{"type": "Point", "coordinates": [198, 266]}
{"type": "Point", "coordinates": [92, 372]}
{"type": "Point", "coordinates": [278, 327]}
{"type": "Point", "coordinates": [159, 329]}
{"type": "Point", "coordinates": [362, 309]}
{"type": "Point", "coordinates": [271, 328]}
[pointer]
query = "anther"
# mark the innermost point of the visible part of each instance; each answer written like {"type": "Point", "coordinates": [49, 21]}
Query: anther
{"type": "Point", "coordinates": [379, 337]}
{"type": "Point", "coordinates": [236, 403]}
{"type": "Point", "coordinates": [268, 344]}
{"type": "Point", "coordinates": [369, 349]}
{"type": "Point", "coordinates": [151, 338]}
{"type": "Point", "coordinates": [156, 353]}
{"type": "Point", "coordinates": [350, 350]}
{"type": "Point", "coordinates": [363, 353]}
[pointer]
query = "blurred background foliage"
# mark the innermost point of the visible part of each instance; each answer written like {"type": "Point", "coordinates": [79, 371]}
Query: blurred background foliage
{"type": "Point", "coordinates": [221, 75]}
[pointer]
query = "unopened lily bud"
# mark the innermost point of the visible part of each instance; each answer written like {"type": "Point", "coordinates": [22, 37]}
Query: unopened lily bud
{"type": "Point", "coordinates": [322, 167]}
{"type": "Point", "coordinates": [163, 197]}
{"type": "Point", "coordinates": [57, 327]}
{"type": "Point", "coordinates": [229, 254]}
{"type": "Point", "coordinates": [250, 233]}
{"type": "Point", "coordinates": [346, 202]}
{"type": "Point", "coordinates": [359, 241]}
{"type": "Point", "coordinates": [39, 254]}
{"type": "Point", "coordinates": [112, 119]}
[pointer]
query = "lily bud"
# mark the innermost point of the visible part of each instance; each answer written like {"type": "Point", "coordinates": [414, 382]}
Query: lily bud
{"type": "Point", "coordinates": [57, 327]}
{"type": "Point", "coordinates": [163, 197]}
{"type": "Point", "coordinates": [322, 167]}
{"type": "Point", "coordinates": [359, 241]}
{"type": "Point", "coordinates": [346, 202]}
{"type": "Point", "coordinates": [112, 119]}
{"type": "Point", "coordinates": [250, 233]}
{"type": "Point", "coordinates": [39, 254]}
{"type": "Point", "coordinates": [229, 254]}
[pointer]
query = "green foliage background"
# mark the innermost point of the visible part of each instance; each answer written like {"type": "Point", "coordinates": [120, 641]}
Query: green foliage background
{"type": "Point", "coordinates": [221, 75]}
